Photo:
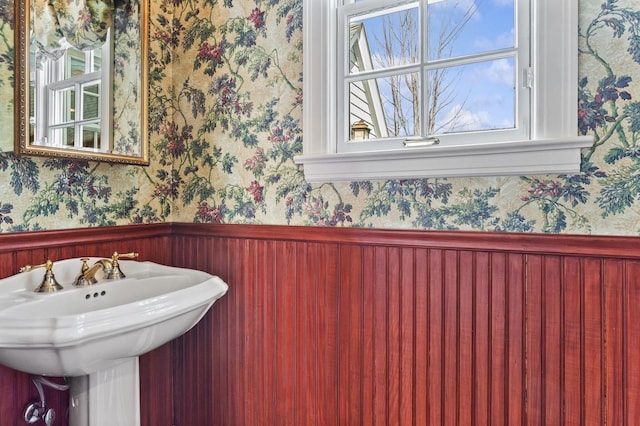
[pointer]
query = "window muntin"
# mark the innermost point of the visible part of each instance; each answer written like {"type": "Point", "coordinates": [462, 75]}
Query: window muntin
{"type": "Point", "coordinates": [469, 90]}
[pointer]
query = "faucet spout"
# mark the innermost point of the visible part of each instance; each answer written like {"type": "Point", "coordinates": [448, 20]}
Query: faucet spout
{"type": "Point", "coordinates": [81, 280]}
{"type": "Point", "coordinates": [102, 264]}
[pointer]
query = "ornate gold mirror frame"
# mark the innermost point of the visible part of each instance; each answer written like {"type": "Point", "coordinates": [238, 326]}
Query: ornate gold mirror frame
{"type": "Point", "coordinates": [128, 140]}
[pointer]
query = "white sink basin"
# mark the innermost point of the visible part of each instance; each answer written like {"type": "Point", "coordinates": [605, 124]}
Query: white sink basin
{"type": "Point", "coordinates": [80, 330]}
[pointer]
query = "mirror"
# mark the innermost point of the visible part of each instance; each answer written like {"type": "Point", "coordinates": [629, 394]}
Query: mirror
{"type": "Point", "coordinates": [81, 84]}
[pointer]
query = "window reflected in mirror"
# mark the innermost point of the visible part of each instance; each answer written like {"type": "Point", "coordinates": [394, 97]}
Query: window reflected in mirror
{"type": "Point", "coordinates": [72, 99]}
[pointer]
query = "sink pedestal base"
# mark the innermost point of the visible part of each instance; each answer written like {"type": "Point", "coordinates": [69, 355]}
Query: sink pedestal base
{"type": "Point", "coordinates": [109, 397]}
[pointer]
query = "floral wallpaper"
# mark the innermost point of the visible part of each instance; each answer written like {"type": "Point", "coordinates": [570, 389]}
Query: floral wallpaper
{"type": "Point", "coordinates": [225, 117]}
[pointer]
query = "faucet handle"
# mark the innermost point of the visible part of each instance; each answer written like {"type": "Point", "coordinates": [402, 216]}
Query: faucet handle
{"type": "Point", "coordinates": [27, 268]}
{"type": "Point", "coordinates": [85, 267]}
{"type": "Point", "coordinates": [49, 283]}
{"type": "Point", "coordinates": [116, 256]}
{"type": "Point", "coordinates": [116, 272]}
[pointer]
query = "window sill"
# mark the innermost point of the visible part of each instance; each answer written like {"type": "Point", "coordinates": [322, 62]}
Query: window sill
{"type": "Point", "coordinates": [546, 156]}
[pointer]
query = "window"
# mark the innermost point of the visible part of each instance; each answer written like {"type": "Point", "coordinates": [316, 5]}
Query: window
{"type": "Point", "coordinates": [72, 101]}
{"type": "Point", "coordinates": [406, 80]}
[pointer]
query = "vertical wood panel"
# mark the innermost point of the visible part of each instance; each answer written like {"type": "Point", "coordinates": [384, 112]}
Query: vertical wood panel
{"type": "Point", "coordinates": [236, 352]}
{"type": "Point", "coordinates": [535, 340]}
{"type": "Point", "coordinates": [572, 344]}
{"type": "Point", "coordinates": [435, 388]}
{"type": "Point", "coordinates": [407, 370]}
{"type": "Point", "coordinates": [7, 404]}
{"type": "Point", "coordinates": [350, 296]}
{"type": "Point", "coordinates": [327, 337]}
{"type": "Point", "coordinates": [14, 399]}
{"type": "Point", "coordinates": [250, 371]}
{"type": "Point", "coordinates": [308, 318]}
{"type": "Point", "coordinates": [450, 341]}
{"type": "Point", "coordinates": [368, 318]}
{"type": "Point", "coordinates": [422, 327]}
{"type": "Point", "coordinates": [157, 385]}
{"type": "Point", "coordinates": [552, 338]}
{"type": "Point", "coordinates": [516, 332]}
{"type": "Point", "coordinates": [356, 324]}
{"type": "Point", "coordinates": [289, 275]}
{"type": "Point", "coordinates": [614, 337]}
{"type": "Point", "coordinates": [631, 366]}
{"type": "Point", "coordinates": [267, 406]}
{"type": "Point", "coordinates": [394, 343]}
{"type": "Point", "coordinates": [8, 264]}
{"type": "Point", "coordinates": [482, 355]}
{"type": "Point", "coordinates": [465, 337]}
{"type": "Point", "coordinates": [497, 343]}
{"type": "Point", "coordinates": [380, 335]}
{"type": "Point", "coordinates": [593, 343]}
{"type": "Point", "coordinates": [283, 327]}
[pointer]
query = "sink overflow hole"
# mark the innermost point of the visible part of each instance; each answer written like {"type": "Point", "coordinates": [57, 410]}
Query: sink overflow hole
{"type": "Point", "coordinates": [96, 294]}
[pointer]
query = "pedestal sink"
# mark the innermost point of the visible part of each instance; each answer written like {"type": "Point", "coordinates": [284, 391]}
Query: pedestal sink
{"type": "Point", "coordinates": [94, 334]}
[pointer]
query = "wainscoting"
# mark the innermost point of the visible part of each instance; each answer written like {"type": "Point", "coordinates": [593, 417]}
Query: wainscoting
{"type": "Point", "coordinates": [378, 327]}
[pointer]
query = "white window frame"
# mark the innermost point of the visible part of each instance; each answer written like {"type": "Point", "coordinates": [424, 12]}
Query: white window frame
{"type": "Point", "coordinates": [50, 83]}
{"type": "Point", "coordinates": [553, 145]}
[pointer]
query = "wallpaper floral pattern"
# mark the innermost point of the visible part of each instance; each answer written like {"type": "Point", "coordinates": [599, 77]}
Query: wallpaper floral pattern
{"type": "Point", "coordinates": [225, 117]}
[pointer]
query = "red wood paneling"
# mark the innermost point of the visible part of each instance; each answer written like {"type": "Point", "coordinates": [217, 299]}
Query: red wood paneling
{"type": "Point", "coordinates": [379, 327]}
{"type": "Point", "coordinates": [365, 327]}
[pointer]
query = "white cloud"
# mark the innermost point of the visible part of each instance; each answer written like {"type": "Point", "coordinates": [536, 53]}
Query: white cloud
{"type": "Point", "coordinates": [501, 41]}
{"type": "Point", "coordinates": [461, 120]}
{"type": "Point", "coordinates": [462, 5]}
{"type": "Point", "coordinates": [500, 72]}
{"type": "Point", "coordinates": [505, 39]}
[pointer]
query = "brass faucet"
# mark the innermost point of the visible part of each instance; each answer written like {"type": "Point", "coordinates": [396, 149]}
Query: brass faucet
{"type": "Point", "coordinates": [82, 280]}
{"type": "Point", "coordinates": [49, 283]}
{"type": "Point", "coordinates": [111, 269]}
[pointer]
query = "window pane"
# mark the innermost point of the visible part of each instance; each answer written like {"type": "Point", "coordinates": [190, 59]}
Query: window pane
{"type": "Point", "coordinates": [390, 105]}
{"type": "Point", "coordinates": [463, 27]}
{"type": "Point", "coordinates": [384, 39]}
{"type": "Point", "coordinates": [64, 137]}
{"type": "Point", "coordinates": [97, 59]}
{"type": "Point", "coordinates": [91, 136]}
{"type": "Point", "coordinates": [75, 63]}
{"type": "Point", "coordinates": [472, 97]}
{"type": "Point", "coordinates": [91, 101]}
{"type": "Point", "coordinates": [64, 106]}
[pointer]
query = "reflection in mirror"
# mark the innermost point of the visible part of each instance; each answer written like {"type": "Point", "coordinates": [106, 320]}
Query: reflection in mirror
{"type": "Point", "coordinates": [81, 81]}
